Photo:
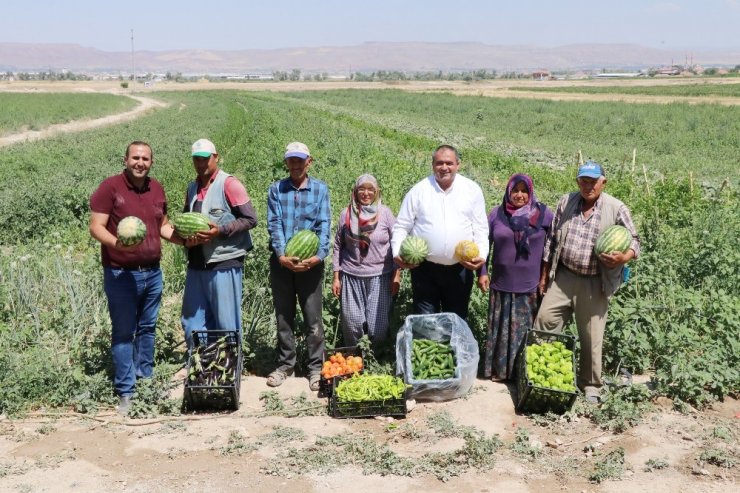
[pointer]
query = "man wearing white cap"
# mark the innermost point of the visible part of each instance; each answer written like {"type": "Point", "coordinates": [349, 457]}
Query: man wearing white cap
{"type": "Point", "coordinates": [213, 283]}
{"type": "Point", "coordinates": [297, 203]}
{"type": "Point", "coordinates": [580, 282]}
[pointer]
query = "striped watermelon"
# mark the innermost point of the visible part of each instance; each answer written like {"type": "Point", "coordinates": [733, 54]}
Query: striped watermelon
{"type": "Point", "coordinates": [414, 250]}
{"type": "Point", "coordinates": [131, 231]}
{"type": "Point", "coordinates": [190, 223]}
{"type": "Point", "coordinates": [304, 244]}
{"type": "Point", "coordinates": [614, 239]}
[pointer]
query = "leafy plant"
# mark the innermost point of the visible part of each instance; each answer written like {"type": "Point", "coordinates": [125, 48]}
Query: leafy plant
{"type": "Point", "coordinates": [622, 408]}
{"type": "Point", "coordinates": [522, 445]}
{"type": "Point", "coordinates": [718, 457]}
{"type": "Point", "coordinates": [655, 464]}
{"type": "Point", "coordinates": [611, 467]}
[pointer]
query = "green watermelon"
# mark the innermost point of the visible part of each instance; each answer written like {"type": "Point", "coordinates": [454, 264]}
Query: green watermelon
{"type": "Point", "coordinates": [304, 244]}
{"type": "Point", "coordinates": [131, 231]}
{"type": "Point", "coordinates": [190, 223]}
{"type": "Point", "coordinates": [414, 250]}
{"type": "Point", "coordinates": [614, 239]}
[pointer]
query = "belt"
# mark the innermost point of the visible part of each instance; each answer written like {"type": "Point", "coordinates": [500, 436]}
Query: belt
{"type": "Point", "coordinates": [140, 268]}
{"type": "Point", "coordinates": [576, 273]}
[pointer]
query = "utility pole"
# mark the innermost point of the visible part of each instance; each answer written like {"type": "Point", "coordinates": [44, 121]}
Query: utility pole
{"type": "Point", "coordinates": [133, 65]}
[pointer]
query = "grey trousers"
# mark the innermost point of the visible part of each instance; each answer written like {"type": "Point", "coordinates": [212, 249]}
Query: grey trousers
{"type": "Point", "coordinates": [570, 294]}
{"type": "Point", "coordinates": [306, 287]}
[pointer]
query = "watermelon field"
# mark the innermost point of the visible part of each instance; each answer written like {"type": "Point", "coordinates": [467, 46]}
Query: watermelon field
{"type": "Point", "coordinates": [676, 322]}
{"type": "Point", "coordinates": [23, 111]}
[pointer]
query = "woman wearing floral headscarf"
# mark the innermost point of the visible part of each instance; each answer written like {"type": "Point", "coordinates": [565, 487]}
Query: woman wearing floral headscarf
{"type": "Point", "coordinates": [365, 276]}
{"type": "Point", "coordinates": [517, 230]}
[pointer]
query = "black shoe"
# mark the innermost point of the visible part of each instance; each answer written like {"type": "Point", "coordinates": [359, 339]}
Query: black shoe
{"type": "Point", "coordinates": [124, 403]}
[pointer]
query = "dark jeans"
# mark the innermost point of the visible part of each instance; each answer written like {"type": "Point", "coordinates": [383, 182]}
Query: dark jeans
{"type": "Point", "coordinates": [133, 304]}
{"type": "Point", "coordinates": [306, 286]}
{"type": "Point", "coordinates": [441, 288]}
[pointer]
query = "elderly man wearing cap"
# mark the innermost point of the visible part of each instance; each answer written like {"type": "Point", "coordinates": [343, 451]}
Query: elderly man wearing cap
{"type": "Point", "coordinates": [580, 283]}
{"type": "Point", "coordinates": [296, 203]}
{"type": "Point", "coordinates": [213, 283]}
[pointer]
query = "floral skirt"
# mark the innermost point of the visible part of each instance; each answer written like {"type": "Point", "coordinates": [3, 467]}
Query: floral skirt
{"type": "Point", "coordinates": [510, 316]}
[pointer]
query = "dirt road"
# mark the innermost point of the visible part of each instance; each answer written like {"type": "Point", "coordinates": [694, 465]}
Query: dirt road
{"type": "Point", "coordinates": [145, 104]}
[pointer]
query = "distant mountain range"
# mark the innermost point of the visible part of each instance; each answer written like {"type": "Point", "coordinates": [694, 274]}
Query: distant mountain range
{"type": "Point", "coordinates": [365, 57]}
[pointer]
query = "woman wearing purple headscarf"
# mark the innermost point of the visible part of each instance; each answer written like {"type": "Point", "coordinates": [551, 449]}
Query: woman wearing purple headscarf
{"type": "Point", "coordinates": [365, 276]}
{"type": "Point", "coordinates": [517, 230]}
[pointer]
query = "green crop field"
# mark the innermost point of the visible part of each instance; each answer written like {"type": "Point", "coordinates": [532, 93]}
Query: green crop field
{"type": "Point", "coordinates": [678, 317]}
{"type": "Point", "coordinates": [716, 90]}
{"type": "Point", "coordinates": [21, 111]}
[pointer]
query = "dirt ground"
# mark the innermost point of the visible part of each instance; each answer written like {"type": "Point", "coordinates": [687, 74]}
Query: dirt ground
{"type": "Point", "coordinates": [193, 452]}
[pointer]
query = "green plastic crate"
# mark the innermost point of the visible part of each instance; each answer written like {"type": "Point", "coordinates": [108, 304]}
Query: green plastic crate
{"type": "Point", "coordinates": [532, 398]}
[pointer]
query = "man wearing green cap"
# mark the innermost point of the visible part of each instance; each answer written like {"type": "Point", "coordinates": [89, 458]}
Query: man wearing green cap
{"type": "Point", "coordinates": [580, 282]}
{"type": "Point", "coordinates": [213, 283]}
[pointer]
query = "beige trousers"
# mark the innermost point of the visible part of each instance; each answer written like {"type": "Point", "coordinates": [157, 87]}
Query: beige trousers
{"type": "Point", "coordinates": [570, 294]}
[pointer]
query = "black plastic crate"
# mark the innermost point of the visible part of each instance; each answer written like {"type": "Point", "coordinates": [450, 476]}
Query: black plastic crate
{"type": "Point", "coordinates": [532, 398]}
{"type": "Point", "coordinates": [325, 384]}
{"type": "Point", "coordinates": [214, 395]}
{"type": "Point", "coordinates": [366, 409]}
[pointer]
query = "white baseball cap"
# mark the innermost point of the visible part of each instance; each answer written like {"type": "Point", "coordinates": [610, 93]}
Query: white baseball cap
{"type": "Point", "coordinates": [203, 148]}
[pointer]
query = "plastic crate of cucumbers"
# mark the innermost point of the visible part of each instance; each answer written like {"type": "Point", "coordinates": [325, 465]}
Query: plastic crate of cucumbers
{"type": "Point", "coordinates": [546, 373]}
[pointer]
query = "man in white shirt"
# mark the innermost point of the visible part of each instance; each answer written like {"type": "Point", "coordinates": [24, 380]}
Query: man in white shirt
{"type": "Point", "coordinates": [443, 209]}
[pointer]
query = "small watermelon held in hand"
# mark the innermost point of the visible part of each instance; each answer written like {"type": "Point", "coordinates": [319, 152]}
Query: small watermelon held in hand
{"type": "Point", "coordinates": [131, 231]}
{"type": "Point", "coordinates": [614, 239]}
{"type": "Point", "coordinates": [414, 250]}
{"type": "Point", "coordinates": [466, 251]}
{"type": "Point", "coordinates": [304, 244]}
{"type": "Point", "coordinates": [189, 224]}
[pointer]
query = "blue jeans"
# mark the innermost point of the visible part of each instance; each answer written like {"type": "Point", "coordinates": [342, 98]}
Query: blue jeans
{"type": "Point", "coordinates": [212, 300]}
{"type": "Point", "coordinates": [133, 304]}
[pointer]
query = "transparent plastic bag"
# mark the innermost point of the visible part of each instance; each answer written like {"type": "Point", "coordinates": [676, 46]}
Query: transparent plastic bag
{"type": "Point", "coordinates": [446, 328]}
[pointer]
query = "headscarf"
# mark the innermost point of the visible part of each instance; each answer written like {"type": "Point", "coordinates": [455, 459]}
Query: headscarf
{"type": "Point", "coordinates": [525, 220]}
{"type": "Point", "coordinates": [361, 220]}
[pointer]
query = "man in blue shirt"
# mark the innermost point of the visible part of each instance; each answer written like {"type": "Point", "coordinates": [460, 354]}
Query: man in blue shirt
{"type": "Point", "coordinates": [293, 204]}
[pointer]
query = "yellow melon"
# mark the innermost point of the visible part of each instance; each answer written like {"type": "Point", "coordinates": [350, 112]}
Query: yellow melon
{"type": "Point", "coordinates": [466, 251]}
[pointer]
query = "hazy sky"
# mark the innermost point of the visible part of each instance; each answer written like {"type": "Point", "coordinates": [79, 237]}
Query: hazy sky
{"type": "Point", "coordinates": [243, 24]}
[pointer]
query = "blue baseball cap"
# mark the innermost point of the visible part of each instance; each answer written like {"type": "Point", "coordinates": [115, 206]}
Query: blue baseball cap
{"type": "Point", "coordinates": [590, 169]}
{"type": "Point", "coordinates": [297, 149]}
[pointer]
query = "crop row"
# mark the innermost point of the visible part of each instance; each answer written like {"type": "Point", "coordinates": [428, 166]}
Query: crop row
{"type": "Point", "coordinates": [688, 90]}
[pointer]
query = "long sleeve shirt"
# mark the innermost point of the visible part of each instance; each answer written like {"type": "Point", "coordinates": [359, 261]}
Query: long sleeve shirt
{"type": "Point", "coordinates": [443, 218]}
{"type": "Point", "coordinates": [578, 249]}
{"type": "Point", "coordinates": [512, 272]}
{"type": "Point", "coordinates": [291, 209]}
{"type": "Point", "coordinates": [379, 258]}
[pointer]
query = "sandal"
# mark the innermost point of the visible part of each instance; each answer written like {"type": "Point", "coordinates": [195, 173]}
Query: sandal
{"type": "Point", "coordinates": [314, 381]}
{"type": "Point", "coordinates": [277, 377]}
